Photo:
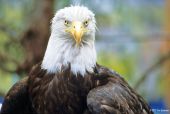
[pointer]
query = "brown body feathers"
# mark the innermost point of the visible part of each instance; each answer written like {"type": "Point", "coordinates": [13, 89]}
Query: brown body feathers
{"type": "Point", "coordinates": [100, 92]}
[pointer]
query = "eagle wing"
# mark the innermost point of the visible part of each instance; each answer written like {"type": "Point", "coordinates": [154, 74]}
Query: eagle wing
{"type": "Point", "coordinates": [17, 100]}
{"type": "Point", "coordinates": [115, 96]}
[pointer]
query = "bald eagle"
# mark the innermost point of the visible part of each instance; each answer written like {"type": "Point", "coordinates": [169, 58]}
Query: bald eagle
{"type": "Point", "coordinates": [69, 80]}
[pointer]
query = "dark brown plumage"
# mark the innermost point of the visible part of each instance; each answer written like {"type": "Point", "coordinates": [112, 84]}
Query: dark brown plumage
{"type": "Point", "coordinates": [100, 92]}
{"type": "Point", "coordinates": [17, 99]}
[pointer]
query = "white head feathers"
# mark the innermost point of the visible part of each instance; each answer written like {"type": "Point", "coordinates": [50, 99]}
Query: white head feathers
{"type": "Point", "coordinates": [61, 48]}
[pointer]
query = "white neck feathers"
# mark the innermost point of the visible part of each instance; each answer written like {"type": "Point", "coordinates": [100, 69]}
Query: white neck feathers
{"type": "Point", "coordinates": [61, 52]}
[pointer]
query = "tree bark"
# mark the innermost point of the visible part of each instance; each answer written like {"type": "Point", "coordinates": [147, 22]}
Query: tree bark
{"type": "Point", "coordinates": [34, 39]}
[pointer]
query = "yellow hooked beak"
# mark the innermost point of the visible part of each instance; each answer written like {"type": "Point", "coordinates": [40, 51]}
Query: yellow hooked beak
{"type": "Point", "coordinates": [77, 31]}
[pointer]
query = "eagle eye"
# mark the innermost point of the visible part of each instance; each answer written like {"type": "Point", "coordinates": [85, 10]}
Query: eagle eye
{"type": "Point", "coordinates": [86, 23]}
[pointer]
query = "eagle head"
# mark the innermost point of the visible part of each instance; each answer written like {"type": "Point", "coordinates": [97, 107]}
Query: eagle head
{"type": "Point", "coordinates": [75, 24]}
{"type": "Point", "coordinates": [71, 41]}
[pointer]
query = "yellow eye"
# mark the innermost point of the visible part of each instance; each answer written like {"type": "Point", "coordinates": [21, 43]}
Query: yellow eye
{"type": "Point", "coordinates": [86, 23]}
{"type": "Point", "coordinates": [66, 22]}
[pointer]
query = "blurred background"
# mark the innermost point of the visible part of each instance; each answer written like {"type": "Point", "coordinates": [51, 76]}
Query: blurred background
{"type": "Point", "coordinates": [133, 38]}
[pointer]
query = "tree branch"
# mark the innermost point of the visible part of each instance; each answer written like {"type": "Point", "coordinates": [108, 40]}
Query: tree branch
{"type": "Point", "coordinates": [152, 68]}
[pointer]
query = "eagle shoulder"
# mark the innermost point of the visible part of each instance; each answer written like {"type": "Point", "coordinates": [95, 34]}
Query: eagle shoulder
{"type": "Point", "coordinates": [115, 96]}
